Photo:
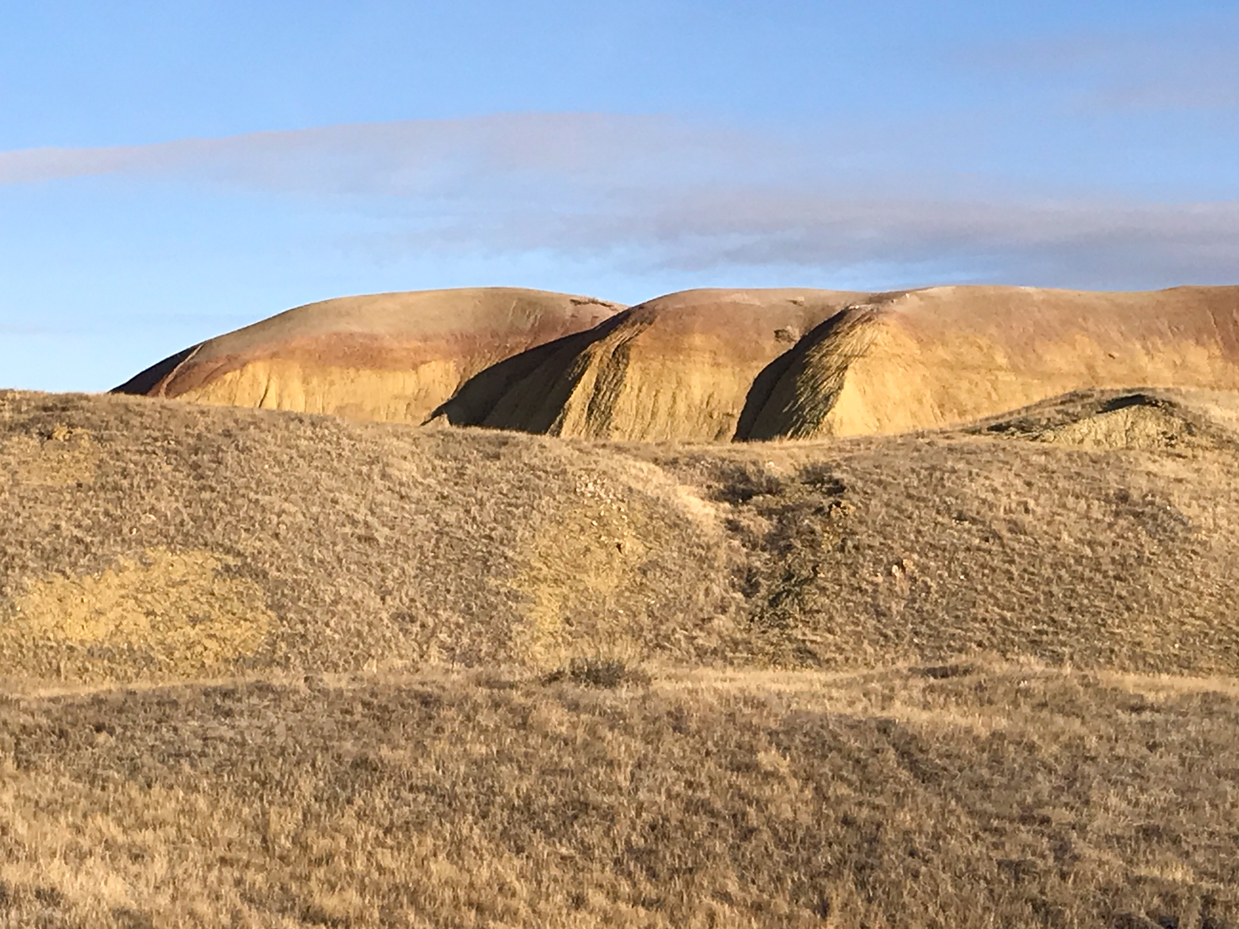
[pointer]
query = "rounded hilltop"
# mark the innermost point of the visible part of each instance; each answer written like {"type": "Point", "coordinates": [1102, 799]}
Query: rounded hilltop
{"type": "Point", "coordinates": [390, 357]}
{"type": "Point", "coordinates": [945, 356]}
{"type": "Point", "coordinates": [711, 365]}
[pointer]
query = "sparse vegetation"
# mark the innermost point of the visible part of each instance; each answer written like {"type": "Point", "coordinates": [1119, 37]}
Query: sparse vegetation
{"type": "Point", "coordinates": [275, 670]}
{"type": "Point", "coordinates": [597, 672]}
{"type": "Point", "coordinates": [1012, 795]}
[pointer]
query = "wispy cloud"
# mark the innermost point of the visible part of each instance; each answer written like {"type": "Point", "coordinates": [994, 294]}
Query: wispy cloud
{"type": "Point", "coordinates": [1188, 67]}
{"type": "Point", "coordinates": [412, 157]}
{"type": "Point", "coordinates": [661, 193]}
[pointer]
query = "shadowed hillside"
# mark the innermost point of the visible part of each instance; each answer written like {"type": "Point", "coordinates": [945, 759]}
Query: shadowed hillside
{"type": "Point", "coordinates": [677, 367]}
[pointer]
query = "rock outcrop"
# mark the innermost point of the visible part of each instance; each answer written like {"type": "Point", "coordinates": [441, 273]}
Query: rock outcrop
{"type": "Point", "coordinates": [712, 365]}
{"type": "Point", "coordinates": [677, 367]}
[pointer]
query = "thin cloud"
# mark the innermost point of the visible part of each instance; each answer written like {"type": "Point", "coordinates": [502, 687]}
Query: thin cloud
{"type": "Point", "coordinates": [1102, 244]}
{"type": "Point", "coordinates": [409, 157]}
{"type": "Point", "coordinates": [1190, 68]}
{"type": "Point", "coordinates": [656, 193]}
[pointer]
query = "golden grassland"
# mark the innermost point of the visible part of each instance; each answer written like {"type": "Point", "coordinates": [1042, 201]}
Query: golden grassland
{"type": "Point", "coordinates": [272, 669]}
{"type": "Point", "coordinates": [985, 794]}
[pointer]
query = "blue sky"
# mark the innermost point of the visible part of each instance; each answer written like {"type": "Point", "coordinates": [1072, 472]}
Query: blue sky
{"type": "Point", "coordinates": [171, 171]}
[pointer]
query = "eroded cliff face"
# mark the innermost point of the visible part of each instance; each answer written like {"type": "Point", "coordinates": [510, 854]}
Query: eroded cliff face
{"type": "Point", "coordinates": [950, 355]}
{"type": "Point", "coordinates": [391, 357]}
{"type": "Point", "coordinates": [710, 365]}
{"type": "Point", "coordinates": [679, 367]}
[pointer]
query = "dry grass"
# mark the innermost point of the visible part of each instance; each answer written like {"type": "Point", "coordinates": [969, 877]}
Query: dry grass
{"type": "Point", "coordinates": [369, 545]}
{"type": "Point", "coordinates": [955, 796]}
{"type": "Point", "coordinates": [374, 545]}
{"type": "Point", "coordinates": [282, 670]}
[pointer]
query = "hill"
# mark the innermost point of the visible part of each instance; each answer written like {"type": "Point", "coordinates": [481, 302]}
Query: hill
{"type": "Point", "coordinates": [711, 365]}
{"type": "Point", "coordinates": [949, 355]}
{"type": "Point", "coordinates": [392, 357]}
{"type": "Point", "coordinates": [678, 367]}
{"type": "Point", "coordinates": [153, 541]}
{"type": "Point", "coordinates": [275, 669]}
{"type": "Point", "coordinates": [757, 365]}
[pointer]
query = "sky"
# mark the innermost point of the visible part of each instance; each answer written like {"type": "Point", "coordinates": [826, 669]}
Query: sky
{"type": "Point", "coordinates": [171, 171]}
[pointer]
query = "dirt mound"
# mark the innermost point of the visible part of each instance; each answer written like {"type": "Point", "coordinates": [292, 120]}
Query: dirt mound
{"type": "Point", "coordinates": [388, 357]}
{"type": "Point", "coordinates": [155, 542]}
{"type": "Point", "coordinates": [1144, 419]}
{"type": "Point", "coordinates": [678, 367]}
{"type": "Point", "coordinates": [948, 355]}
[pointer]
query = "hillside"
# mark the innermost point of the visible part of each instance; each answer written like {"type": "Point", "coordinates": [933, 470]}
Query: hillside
{"type": "Point", "coordinates": [949, 355]}
{"type": "Point", "coordinates": [711, 365]}
{"type": "Point", "coordinates": [678, 367]}
{"type": "Point", "coordinates": [389, 357]}
{"type": "Point", "coordinates": [942, 796]}
{"type": "Point", "coordinates": [274, 669]}
{"type": "Point", "coordinates": [150, 541]}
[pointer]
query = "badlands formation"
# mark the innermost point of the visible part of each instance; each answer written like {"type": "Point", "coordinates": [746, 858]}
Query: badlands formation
{"type": "Point", "coordinates": [710, 365]}
{"type": "Point", "coordinates": [960, 649]}
{"type": "Point", "coordinates": [388, 357]}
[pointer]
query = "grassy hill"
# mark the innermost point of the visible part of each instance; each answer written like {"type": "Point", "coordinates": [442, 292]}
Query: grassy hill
{"type": "Point", "coordinates": [274, 669]}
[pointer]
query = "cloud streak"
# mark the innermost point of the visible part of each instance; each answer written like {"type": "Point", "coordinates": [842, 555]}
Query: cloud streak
{"type": "Point", "coordinates": [656, 193]}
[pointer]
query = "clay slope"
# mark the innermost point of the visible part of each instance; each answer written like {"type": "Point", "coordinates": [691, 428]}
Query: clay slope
{"type": "Point", "coordinates": [157, 542]}
{"type": "Point", "coordinates": [713, 365]}
{"type": "Point", "coordinates": [388, 357]}
{"type": "Point", "coordinates": [678, 367]}
{"type": "Point", "coordinates": [948, 355]}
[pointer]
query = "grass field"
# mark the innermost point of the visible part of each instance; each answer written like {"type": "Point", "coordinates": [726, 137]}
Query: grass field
{"type": "Point", "coordinates": [280, 670]}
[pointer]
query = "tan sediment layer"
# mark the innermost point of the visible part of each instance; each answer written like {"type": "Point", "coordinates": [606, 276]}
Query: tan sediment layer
{"type": "Point", "coordinates": [392, 357]}
{"type": "Point", "coordinates": [948, 355]}
{"type": "Point", "coordinates": [677, 367]}
{"type": "Point", "coordinates": [712, 365]}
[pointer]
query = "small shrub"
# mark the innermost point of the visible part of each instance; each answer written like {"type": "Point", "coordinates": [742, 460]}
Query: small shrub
{"type": "Point", "coordinates": [597, 672]}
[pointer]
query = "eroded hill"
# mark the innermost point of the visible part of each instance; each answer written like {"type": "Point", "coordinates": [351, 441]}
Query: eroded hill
{"type": "Point", "coordinates": [388, 357]}
{"type": "Point", "coordinates": [273, 669]}
{"type": "Point", "coordinates": [712, 365]}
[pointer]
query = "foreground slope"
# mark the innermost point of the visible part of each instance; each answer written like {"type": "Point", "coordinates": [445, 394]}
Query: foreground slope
{"type": "Point", "coordinates": [962, 796]}
{"type": "Point", "coordinates": [270, 669]}
{"type": "Point", "coordinates": [384, 356]}
{"type": "Point", "coordinates": [153, 541]}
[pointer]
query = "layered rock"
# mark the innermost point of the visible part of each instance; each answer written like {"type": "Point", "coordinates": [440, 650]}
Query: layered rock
{"type": "Point", "coordinates": [948, 355]}
{"type": "Point", "coordinates": [677, 367]}
{"type": "Point", "coordinates": [711, 365]}
{"type": "Point", "coordinates": [392, 357]}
